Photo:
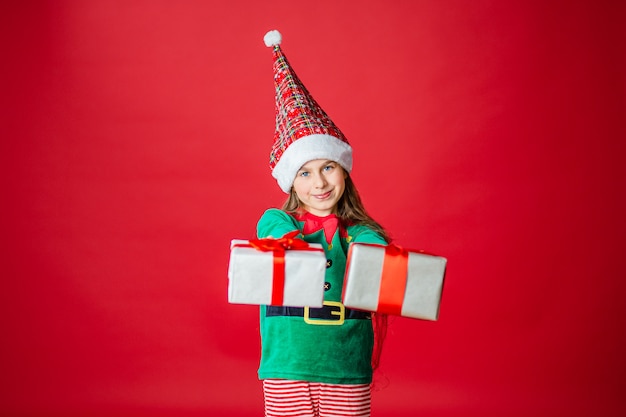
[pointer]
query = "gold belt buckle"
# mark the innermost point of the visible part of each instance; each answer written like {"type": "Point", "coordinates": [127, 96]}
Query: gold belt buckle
{"type": "Point", "coordinates": [341, 314]}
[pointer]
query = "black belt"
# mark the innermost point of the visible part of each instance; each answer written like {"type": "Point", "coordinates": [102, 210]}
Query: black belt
{"type": "Point", "coordinates": [331, 313]}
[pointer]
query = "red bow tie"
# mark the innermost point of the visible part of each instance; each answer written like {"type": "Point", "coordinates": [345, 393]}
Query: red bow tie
{"type": "Point", "coordinates": [314, 223]}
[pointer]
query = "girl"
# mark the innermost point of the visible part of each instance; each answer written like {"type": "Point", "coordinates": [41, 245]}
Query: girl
{"type": "Point", "coordinates": [316, 361]}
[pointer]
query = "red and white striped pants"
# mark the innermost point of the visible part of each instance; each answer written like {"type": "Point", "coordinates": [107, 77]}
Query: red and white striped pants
{"type": "Point", "coordinates": [313, 399]}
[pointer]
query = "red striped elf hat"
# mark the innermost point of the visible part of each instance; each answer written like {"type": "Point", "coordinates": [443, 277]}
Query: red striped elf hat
{"type": "Point", "coordinates": [304, 132]}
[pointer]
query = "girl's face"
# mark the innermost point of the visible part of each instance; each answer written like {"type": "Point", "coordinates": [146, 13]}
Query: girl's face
{"type": "Point", "coordinates": [319, 185]}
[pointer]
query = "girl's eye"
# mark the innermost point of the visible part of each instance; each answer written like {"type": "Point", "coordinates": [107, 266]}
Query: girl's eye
{"type": "Point", "coordinates": [329, 167]}
{"type": "Point", "coordinates": [304, 174]}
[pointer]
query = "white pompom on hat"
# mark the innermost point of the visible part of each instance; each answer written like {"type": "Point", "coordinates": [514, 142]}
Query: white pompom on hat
{"type": "Point", "coordinates": [304, 132]}
{"type": "Point", "coordinates": [272, 38]}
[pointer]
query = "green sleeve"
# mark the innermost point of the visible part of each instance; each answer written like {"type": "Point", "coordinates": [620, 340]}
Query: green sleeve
{"type": "Point", "coordinates": [275, 223]}
{"type": "Point", "coordinates": [362, 234]}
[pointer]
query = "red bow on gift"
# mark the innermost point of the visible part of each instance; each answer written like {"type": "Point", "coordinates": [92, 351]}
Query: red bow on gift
{"type": "Point", "coordinates": [286, 242]}
{"type": "Point", "coordinates": [278, 247]}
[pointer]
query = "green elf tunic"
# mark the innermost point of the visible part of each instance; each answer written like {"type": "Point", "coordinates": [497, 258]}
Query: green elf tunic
{"type": "Point", "coordinates": [332, 344]}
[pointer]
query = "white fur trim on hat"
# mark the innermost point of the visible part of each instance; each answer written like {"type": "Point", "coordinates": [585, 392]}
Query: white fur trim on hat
{"type": "Point", "coordinates": [309, 148]}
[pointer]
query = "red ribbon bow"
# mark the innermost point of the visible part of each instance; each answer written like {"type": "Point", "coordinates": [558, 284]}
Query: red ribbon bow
{"type": "Point", "coordinates": [286, 242]}
{"type": "Point", "coordinates": [279, 247]}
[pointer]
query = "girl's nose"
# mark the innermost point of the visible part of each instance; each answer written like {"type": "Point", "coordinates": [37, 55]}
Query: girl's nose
{"type": "Point", "coordinates": [320, 181]}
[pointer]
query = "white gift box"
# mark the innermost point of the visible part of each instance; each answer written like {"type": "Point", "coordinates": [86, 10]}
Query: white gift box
{"type": "Point", "coordinates": [251, 275]}
{"type": "Point", "coordinates": [420, 289]}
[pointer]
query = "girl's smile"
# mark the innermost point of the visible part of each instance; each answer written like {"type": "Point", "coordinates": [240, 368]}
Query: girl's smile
{"type": "Point", "coordinates": [322, 196]}
{"type": "Point", "coordinates": [319, 185]}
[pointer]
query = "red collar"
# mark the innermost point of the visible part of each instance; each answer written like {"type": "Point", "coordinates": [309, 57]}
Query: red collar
{"type": "Point", "coordinates": [313, 223]}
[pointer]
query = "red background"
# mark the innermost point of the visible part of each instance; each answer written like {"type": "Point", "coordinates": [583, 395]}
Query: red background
{"type": "Point", "coordinates": [135, 141]}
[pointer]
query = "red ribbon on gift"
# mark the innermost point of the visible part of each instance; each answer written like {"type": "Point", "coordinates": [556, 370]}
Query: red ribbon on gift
{"type": "Point", "coordinates": [393, 280]}
{"type": "Point", "coordinates": [279, 248]}
{"type": "Point", "coordinates": [394, 276]}
{"type": "Point", "coordinates": [289, 241]}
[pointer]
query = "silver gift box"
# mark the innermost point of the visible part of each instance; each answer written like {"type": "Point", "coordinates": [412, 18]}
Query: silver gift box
{"type": "Point", "coordinates": [424, 283]}
{"type": "Point", "coordinates": [250, 276]}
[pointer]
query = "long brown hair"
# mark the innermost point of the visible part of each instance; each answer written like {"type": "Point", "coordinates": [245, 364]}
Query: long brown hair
{"type": "Point", "coordinates": [350, 210]}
